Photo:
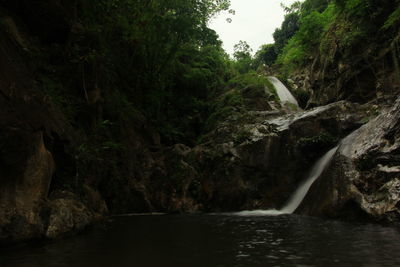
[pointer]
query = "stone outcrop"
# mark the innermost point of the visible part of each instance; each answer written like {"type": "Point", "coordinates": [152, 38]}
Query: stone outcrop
{"type": "Point", "coordinates": [27, 169]}
{"type": "Point", "coordinates": [26, 211]}
{"type": "Point", "coordinates": [251, 161]}
{"type": "Point", "coordinates": [363, 177]}
{"type": "Point", "coordinates": [69, 214]}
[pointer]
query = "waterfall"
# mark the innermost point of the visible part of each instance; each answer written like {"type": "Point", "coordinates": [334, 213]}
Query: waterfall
{"type": "Point", "coordinates": [297, 197]}
{"type": "Point", "coordinates": [283, 93]}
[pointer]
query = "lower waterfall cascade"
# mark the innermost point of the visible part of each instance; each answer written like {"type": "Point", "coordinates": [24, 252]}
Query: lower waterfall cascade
{"type": "Point", "coordinates": [297, 197]}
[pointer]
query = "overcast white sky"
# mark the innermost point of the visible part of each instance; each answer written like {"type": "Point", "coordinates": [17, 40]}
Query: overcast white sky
{"type": "Point", "coordinates": [254, 22]}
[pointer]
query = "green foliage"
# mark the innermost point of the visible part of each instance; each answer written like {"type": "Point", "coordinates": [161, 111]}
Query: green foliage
{"type": "Point", "coordinates": [329, 27]}
{"type": "Point", "coordinates": [393, 20]}
{"type": "Point", "coordinates": [242, 135]}
{"type": "Point", "coordinates": [120, 106]}
{"type": "Point", "coordinates": [223, 107]}
{"type": "Point", "coordinates": [243, 89]}
{"type": "Point", "coordinates": [357, 24]}
{"type": "Point", "coordinates": [242, 50]}
{"type": "Point", "coordinates": [355, 7]}
{"type": "Point", "coordinates": [163, 59]}
{"type": "Point", "coordinates": [180, 110]}
{"type": "Point", "coordinates": [98, 149]}
{"type": "Point", "coordinates": [303, 22]}
{"type": "Point", "coordinates": [313, 26]}
{"type": "Point", "coordinates": [293, 55]}
{"type": "Point", "coordinates": [289, 27]}
{"type": "Point", "coordinates": [201, 71]}
{"type": "Point", "coordinates": [152, 60]}
{"type": "Point", "coordinates": [314, 5]}
{"type": "Point", "coordinates": [243, 60]}
{"type": "Point", "coordinates": [299, 48]}
{"type": "Point", "coordinates": [255, 80]}
{"type": "Point", "coordinates": [232, 99]}
{"type": "Point", "coordinates": [265, 55]}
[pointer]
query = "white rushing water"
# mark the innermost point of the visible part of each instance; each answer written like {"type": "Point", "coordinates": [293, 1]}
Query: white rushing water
{"type": "Point", "coordinates": [298, 196]}
{"type": "Point", "coordinates": [283, 93]}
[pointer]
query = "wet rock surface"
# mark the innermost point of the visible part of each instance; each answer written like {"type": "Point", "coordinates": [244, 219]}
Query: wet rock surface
{"type": "Point", "coordinates": [68, 214]}
{"type": "Point", "coordinates": [250, 160]}
{"type": "Point", "coordinates": [256, 160]}
{"type": "Point", "coordinates": [363, 177]}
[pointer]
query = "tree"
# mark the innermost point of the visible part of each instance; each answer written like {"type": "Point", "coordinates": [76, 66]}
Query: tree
{"type": "Point", "coordinates": [243, 58]}
{"type": "Point", "coordinates": [160, 54]}
{"type": "Point", "coordinates": [266, 55]}
{"type": "Point", "coordinates": [242, 50]}
{"type": "Point", "coordinates": [289, 27]}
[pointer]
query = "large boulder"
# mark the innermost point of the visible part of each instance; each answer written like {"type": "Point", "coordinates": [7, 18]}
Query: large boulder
{"type": "Point", "coordinates": [363, 177]}
{"type": "Point", "coordinates": [68, 214]}
{"type": "Point", "coordinates": [27, 168]}
{"type": "Point", "coordinates": [26, 171]}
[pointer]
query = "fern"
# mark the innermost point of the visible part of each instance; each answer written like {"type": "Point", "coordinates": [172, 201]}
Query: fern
{"type": "Point", "coordinates": [393, 19]}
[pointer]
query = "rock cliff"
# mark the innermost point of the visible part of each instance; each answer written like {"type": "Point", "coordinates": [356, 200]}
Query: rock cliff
{"type": "Point", "coordinates": [256, 160]}
{"type": "Point", "coordinates": [363, 177]}
{"type": "Point", "coordinates": [34, 139]}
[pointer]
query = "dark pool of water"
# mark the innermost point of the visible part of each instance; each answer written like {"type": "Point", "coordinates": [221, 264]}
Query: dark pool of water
{"type": "Point", "coordinates": [217, 240]}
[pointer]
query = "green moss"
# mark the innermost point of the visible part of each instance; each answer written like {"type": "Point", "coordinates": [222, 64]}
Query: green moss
{"type": "Point", "coordinates": [242, 135]}
{"type": "Point", "coordinates": [223, 107]}
{"type": "Point", "coordinates": [253, 80]}
{"type": "Point", "coordinates": [217, 116]}
{"type": "Point", "coordinates": [292, 106]}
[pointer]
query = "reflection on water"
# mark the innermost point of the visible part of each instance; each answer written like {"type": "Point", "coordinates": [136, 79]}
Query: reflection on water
{"type": "Point", "coordinates": [203, 240]}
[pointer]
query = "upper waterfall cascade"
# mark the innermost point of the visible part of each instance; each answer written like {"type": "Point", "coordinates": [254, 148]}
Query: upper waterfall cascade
{"type": "Point", "coordinates": [283, 93]}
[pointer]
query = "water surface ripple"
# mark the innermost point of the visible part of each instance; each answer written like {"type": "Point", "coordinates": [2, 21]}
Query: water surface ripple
{"type": "Point", "coordinates": [217, 240]}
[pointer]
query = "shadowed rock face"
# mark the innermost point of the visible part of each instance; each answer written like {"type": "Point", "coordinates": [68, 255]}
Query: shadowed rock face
{"type": "Point", "coordinates": [50, 20]}
{"type": "Point", "coordinates": [26, 171]}
{"type": "Point", "coordinates": [30, 129]}
{"type": "Point", "coordinates": [258, 162]}
{"type": "Point", "coordinates": [364, 173]}
{"type": "Point", "coordinates": [251, 161]}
